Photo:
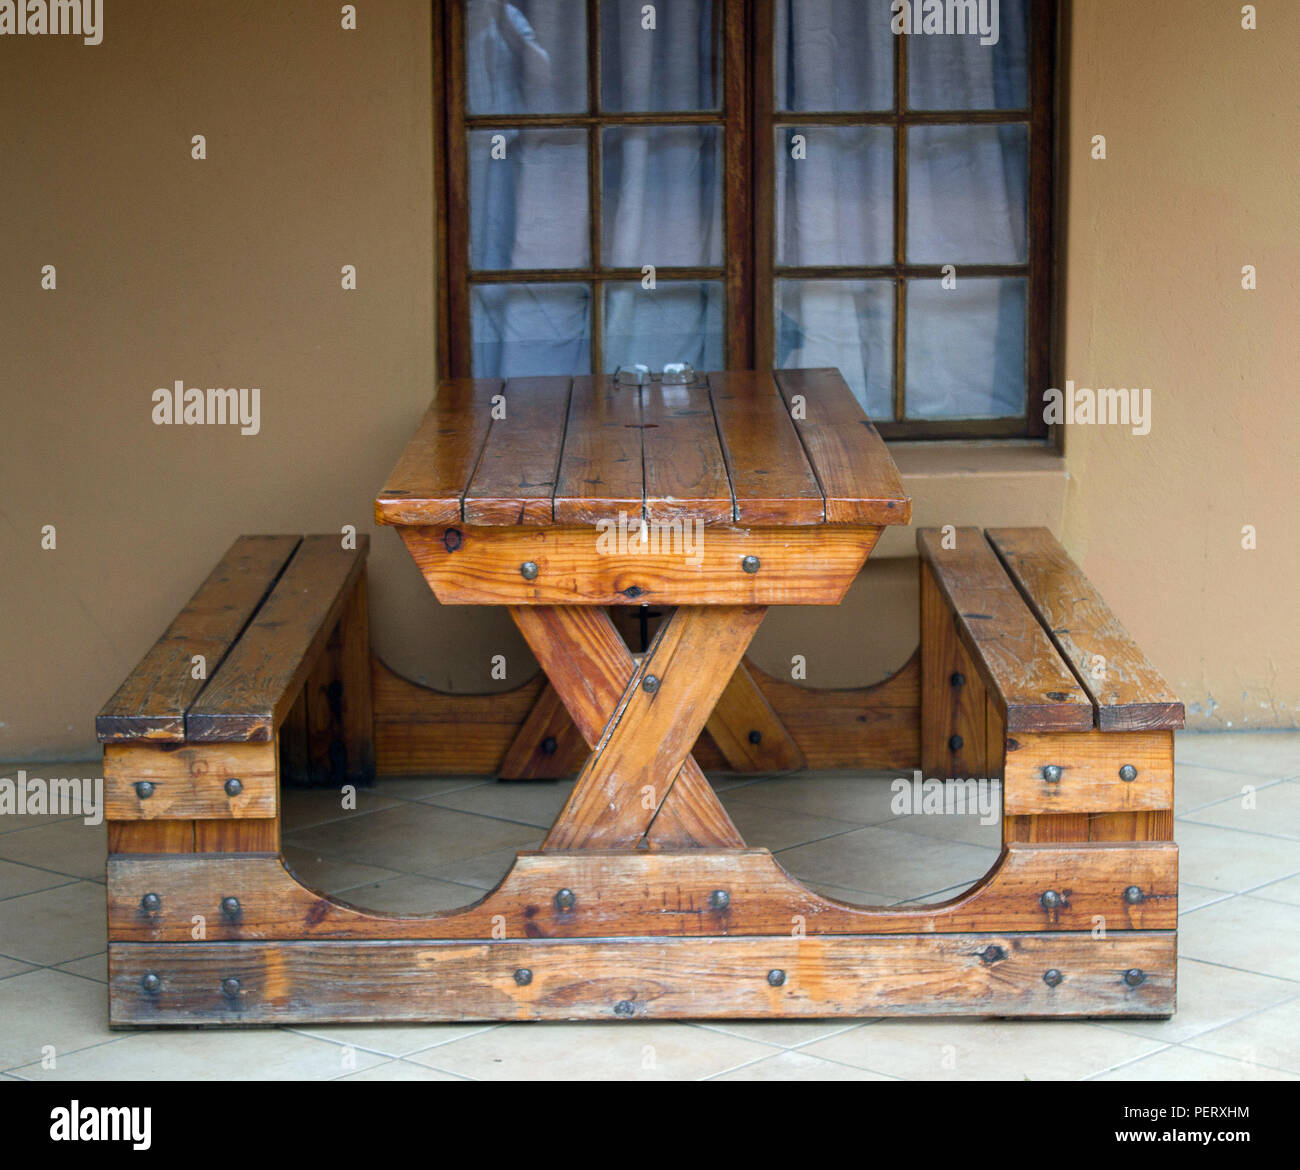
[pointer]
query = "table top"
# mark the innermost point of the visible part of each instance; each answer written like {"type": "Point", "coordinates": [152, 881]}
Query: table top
{"type": "Point", "coordinates": [738, 448]}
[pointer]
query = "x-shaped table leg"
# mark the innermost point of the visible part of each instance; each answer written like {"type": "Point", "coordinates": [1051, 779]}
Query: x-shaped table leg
{"type": "Point", "coordinates": [640, 784]}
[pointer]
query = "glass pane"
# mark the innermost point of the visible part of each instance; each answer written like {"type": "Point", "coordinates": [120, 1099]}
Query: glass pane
{"type": "Point", "coordinates": [525, 57]}
{"type": "Point", "coordinates": [848, 324]}
{"type": "Point", "coordinates": [661, 196]}
{"type": "Point", "coordinates": [673, 66]}
{"type": "Point", "coordinates": [528, 199]}
{"type": "Point", "coordinates": [522, 329]}
{"type": "Point", "coordinates": [833, 55]}
{"type": "Point", "coordinates": [958, 73]}
{"type": "Point", "coordinates": [966, 194]}
{"type": "Point", "coordinates": [835, 204]}
{"type": "Point", "coordinates": [966, 348]}
{"type": "Point", "coordinates": [680, 321]}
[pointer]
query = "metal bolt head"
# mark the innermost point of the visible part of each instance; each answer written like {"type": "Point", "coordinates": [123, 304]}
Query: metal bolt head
{"type": "Point", "coordinates": [755, 737]}
{"type": "Point", "coordinates": [565, 899]}
{"type": "Point", "coordinates": [1134, 895]}
{"type": "Point", "coordinates": [151, 903]}
{"type": "Point", "coordinates": [230, 907]}
{"type": "Point", "coordinates": [528, 570]}
{"type": "Point", "coordinates": [549, 745]}
{"type": "Point", "coordinates": [650, 684]}
{"type": "Point", "coordinates": [750, 564]}
{"type": "Point", "coordinates": [1128, 773]}
{"type": "Point", "coordinates": [624, 1008]}
{"type": "Point", "coordinates": [231, 987]}
{"type": "Point", "coordinates": [955, 743]}
{"type": "Point", "coordinates": [144, 789]}
{"type": "Point", "coordinates": [151, 983]}
{"type": "Point", "coordinates": [719, 900]}
{"type": "Point", "coordinates": [523, 976]}
{"type": "Point", "coordinates": [1134, 976]}
{"type": "Point", "coordinates": [1051, 900]}
{"type": "Point", "coordinates": [958, 679]}
{"type": "Point", "coordinates": [776, 977]}
{"type": "Point", "coordinates": [1052, 977]}
{"type": "Point", "coordinates": [234, 786]}
{"type": "Point", "coordinates": [1052, 773]}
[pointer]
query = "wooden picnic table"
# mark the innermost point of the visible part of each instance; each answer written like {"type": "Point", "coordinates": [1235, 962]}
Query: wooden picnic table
{"type": "Point", "coordinates": [558, 497]}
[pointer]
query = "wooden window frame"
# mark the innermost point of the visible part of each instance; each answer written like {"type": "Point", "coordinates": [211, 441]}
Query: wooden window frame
{"type": "Point", "coordinates": [748, 272]}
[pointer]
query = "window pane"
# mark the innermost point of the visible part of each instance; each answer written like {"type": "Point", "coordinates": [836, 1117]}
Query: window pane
{"type": "Point", "coordinates": [680, 321]}
{"type": "Point", "coordinates": [833, 55]}
{"type": "Point", "coordinates": [966, 348]}
{"type": "Point", "coordinates": [525, 57]}
{"type": "Point", "coordinates": [522, 329]}
{"type": "Point", "coordinates": [966, 189]}
{"type": "Point", "coordinates": [958, 73]}
{"type": "Point", "coordinates": [836, 204]}
{"type": "Point", "coordinates": [528, 209]}
{"type": "Point", "coordinates": [674, 66]}
{"type": "Point", "coordinates": [844, 323]}
{"type": "Point", "coordinates": [661, 196]}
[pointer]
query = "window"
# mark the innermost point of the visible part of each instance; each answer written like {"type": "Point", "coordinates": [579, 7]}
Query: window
{"type": "Point", "coordinates": [753, 183]}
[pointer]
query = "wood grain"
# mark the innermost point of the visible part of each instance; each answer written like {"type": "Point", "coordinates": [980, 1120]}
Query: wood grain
{"type": "Point", "coordinates": [685, 473]}
{"type": "Point", "coordinates": [189, 781]}
{"type": "Point", "coordinates": [1021, 669]}
{"type": "Point", "coordinates": [152, 702]}
{"type": "Point", "coordinates": [701, 978]}
{"type": "Point", "coordinates": [1090, 763]}
{"type": "Point", "coordinates": [601, 474]}
{"type": "Point", "coordinates": [953, 716]}
{"type": "Point", "coordinates": [548, 724]}
{"type": "Point", "coordinates": [251, 693]}
{"type": "Point", "coordinates": [1129, 693]}
{"type": "Point", "coordinates": [748, 732]}
{"type": "Point", "coordinates": [630, 894]}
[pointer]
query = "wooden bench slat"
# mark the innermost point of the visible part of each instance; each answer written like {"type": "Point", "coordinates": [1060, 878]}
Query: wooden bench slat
{"type": "Point", "coordinates": [1031, 683]}
{"type": "Point", "coordinates": [770, 475]}
{"type": "Point", "coordinates": [853, 467]}
{"type": "Point", "coordinates": [428, 484]}
{"type": "Point", "coordinates": [1130, 694]}
{"type": "Point", "coordinates": [152, 702]}
{"type": "Point", "coordinates": [252, 692]}
{"type": "Point", "coordinates": [601, 471]}
{"type": "Point", "coordinates": [516, 473]}
{"type": "Point", "coordinates": [685, 473]}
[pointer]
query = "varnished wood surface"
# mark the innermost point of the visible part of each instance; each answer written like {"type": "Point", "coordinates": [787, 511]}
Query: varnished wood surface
{"type": "Point", "coordinates": [735, 447]}
{"type": "Point", "coordinates": [189, 781]}
{"type": "Point", "coordinates": [1129, 693]}
{"type": "Point", "coordinates": [152, 702]}
{"type": "Point", "coordinates": [984, 974]}
{"type": "Point", "coordinates": [627, 894]}
{"type": "Point", "coordinates": [252, 692]}
{"type": "Point", "coordinates": [1021, 669]}
{"type": "Point", "coordinates": [1090, 764]}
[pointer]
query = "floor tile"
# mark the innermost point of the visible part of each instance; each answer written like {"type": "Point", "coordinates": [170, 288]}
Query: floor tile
{"type": "Point", "coordinates": [1186, 1064]}
{"type": "Point", "coordinates": [10, 967]}
{"type": "Point", "coordinates": [781, 1033]}
{"type": "Point", "coordinates": [91, 967]}
{"type": "Point", "coordinates": [12, 822]}
{"type": "Point", "coordinates": [530, 802]}
{"type": "Point", "coordinates": [54, 926]}
{"type": "Point", "coordinates": [902, 864]}
{"type": "Point", "coordinates": [393, 1040]}
{"type": "Point", "coordinates": [798, 1066]}
{"type": "Point", "coordinates": [327, 873]}
{"type": "Point", "coordinates": [413, 838]}
{"type": "Point", "coordinates": [18, 879]}
{"type": "Point", "coordinates": [50, 1009]}
{"type": "Point", "coordinates": [1275, 754]}
{"type": "Point", "coordinates": [304, 807]}
{"type": "Point", "coordinates": [1273, 809]}
{"type": "Point", "coordinates": [862, 798]}
{"type": "Point", "coordinates": [483, 870]}
{"type": "Point", "coordinates": [983, 1049]}
{"type": "Point", "coordinates": [628, 1051]}
{"type": "Point", "coordinates": [1196, 786]}
{"type": "Point", "coordinates": [254, 1055]}
{"type": "Point", "coordinates": [68, 846]}
{"type": "Point", "coordinates": [1287, 890]}
{"type": "Point", "coordinates": [1230, 860]}
{"type": "Point", "coordinates": [1210, 996]}
{"type": "Point", "coordinates": [853, 897]}
{"type": "Point", "coordinates": [1270, 1037]}
{"type": "Point", "coordinates": [409, 894]}
{"type": "Point", "coordinates": [1245, 932]}
{"type": "Point", "coordinates": [400, 1070]}
{"type": "Point", "coordinates": [423, 787]}
{"type": "Point", "coordinates": [1194, 897]}
{"type": "Point", "coordinates": [764, 827]}
{"type": "Point", "coordinates": [968, 829]}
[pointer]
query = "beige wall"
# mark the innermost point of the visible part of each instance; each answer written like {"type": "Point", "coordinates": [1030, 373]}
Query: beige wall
{"type": "Point", "coordinates": [227, 272]}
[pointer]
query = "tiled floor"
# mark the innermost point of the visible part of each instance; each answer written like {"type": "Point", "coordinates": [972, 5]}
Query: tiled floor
{"type": "Point", "coordinates": [418, 845]}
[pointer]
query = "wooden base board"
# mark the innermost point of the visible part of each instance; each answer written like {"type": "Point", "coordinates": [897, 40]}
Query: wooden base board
{"type": "Point", "coordinates": [1124, 974]}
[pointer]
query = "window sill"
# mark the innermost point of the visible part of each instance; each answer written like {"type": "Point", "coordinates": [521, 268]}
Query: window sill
{"type": "Point", "coordinates": [977, 484]}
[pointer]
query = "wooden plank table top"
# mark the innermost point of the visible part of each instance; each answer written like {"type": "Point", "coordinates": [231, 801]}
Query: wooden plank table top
{"type": "Point", "coordinates": [738, 448]}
